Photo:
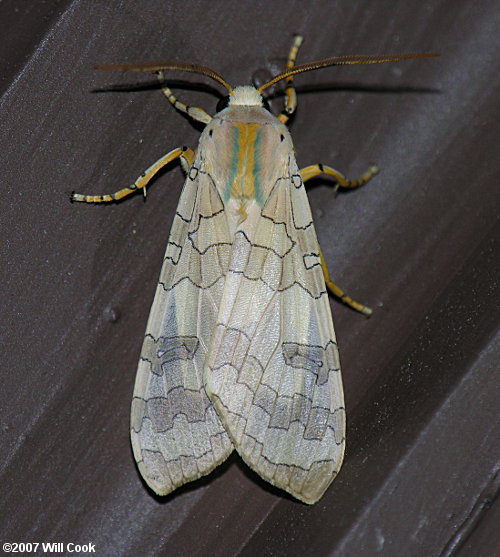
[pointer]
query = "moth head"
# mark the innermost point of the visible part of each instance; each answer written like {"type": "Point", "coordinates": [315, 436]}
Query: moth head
{"type": "Point", "coordinates": [245, 95]}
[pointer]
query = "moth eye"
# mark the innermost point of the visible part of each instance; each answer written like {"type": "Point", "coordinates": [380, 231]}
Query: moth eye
{"type": "Point", "coordinates": [282, 137]}
{"type": "Point", "coordinates": [210, 133]}
{"type": "Point", "coordinates": [222, 104]}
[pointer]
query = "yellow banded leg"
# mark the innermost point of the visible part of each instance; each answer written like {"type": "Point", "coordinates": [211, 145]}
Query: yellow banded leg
{"type": "Point", "coordinates": [195, 112]}
{"type": "Point", "coordinates": [186, 154]}
{"type": "Point", "coordinates": [316, 169]}
{"type": "Point", "coordinates": [291, 96]}
{"type": "Point", "coordinates": [337, 291]}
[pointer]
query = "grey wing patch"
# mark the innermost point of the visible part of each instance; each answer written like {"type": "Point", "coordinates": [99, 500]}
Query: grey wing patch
{"type": "Point", "coordinates": [274, 373]}
{"type": "Point", "coordinates": [319, 360]}
{"type": "Point", "coordinates": [170, 349]}
{"type": "Point", "coordinates": [175, 431]}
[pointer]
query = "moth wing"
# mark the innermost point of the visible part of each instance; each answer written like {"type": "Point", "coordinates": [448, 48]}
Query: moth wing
{"type": "Point", "coordinates": [273, 372]}
{"type": "Point", "coordinates": [176, 433]}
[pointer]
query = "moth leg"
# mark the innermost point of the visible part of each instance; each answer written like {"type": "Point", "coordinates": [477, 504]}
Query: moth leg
{"type": "Point", "coordinates": [316, 169]}
{"type": "Point", "coordinates": [187, 159]}
{"type": "Point", "coordinates": [339, 293]}
{"type": "Point", "coordinates": [291, 96]}
{"type": "Point", "coordinates": [195, 112]}
{"type": "Point", "coordinates": [185, 154]}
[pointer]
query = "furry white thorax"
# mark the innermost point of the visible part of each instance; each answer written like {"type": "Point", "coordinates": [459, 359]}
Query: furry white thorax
{"type": "Point", "coordinates": [245, 95]}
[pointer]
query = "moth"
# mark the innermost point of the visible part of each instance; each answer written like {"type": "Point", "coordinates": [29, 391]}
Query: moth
{"type": "Point", "coordinates": [240, 351]}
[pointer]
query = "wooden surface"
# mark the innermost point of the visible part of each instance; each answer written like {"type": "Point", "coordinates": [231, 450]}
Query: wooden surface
{"type": "Point", "coordinates": [419, 244]}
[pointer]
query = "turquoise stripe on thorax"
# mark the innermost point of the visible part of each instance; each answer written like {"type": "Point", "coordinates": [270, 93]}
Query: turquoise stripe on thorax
{"type": "Point", "coordinates": [233, 165]}
{"type": "Point", "coordinates": [256, 168]}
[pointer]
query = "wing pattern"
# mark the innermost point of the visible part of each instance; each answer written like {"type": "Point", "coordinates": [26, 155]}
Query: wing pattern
{"type": "Point", "coordinates": [176, 433]}
{"type": "Point", "coordinates": [240, 349]}
{"type": "Point", "coordinates": [273, 369]}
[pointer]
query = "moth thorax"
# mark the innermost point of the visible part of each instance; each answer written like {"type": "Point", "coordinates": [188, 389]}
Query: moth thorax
{"type": "Point", "coordinates": [245, 95]}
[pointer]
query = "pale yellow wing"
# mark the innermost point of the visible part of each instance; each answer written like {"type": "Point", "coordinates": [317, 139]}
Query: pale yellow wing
{"type": "Point", "coordinates": [175, 431]}
{"type": "Point", "coordinates": [273, 370]}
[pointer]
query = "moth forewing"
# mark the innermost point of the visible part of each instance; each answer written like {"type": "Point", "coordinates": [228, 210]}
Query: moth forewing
{"type": "Point", "coordinates": [272, 370]}
{"type": "Point", "coordinates": [176, 434]}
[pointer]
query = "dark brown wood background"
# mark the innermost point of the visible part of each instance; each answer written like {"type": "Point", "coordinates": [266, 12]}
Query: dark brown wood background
{"type": "Point", "coordinates": [419, 244]}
